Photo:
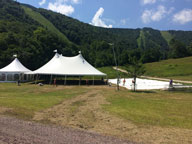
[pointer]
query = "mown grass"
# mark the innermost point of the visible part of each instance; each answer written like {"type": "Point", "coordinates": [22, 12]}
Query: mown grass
{"type": "Point", "coordinates": [25, 100]}
{"type": "Point", "coordinates": [151, 108]}
{"type": "Point", "coordinates": [173, 68]}
{"type": "Point", "coordinates": [157, 108]}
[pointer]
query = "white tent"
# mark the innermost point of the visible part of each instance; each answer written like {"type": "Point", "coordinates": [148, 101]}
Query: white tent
{"type": "Point", "coordinates": [68, 66]}
{"type": "Point", "coordinates": [13, 72]}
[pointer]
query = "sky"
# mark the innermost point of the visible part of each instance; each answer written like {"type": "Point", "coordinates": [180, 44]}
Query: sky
{"type": "Point", "coordinates": [157, 14]}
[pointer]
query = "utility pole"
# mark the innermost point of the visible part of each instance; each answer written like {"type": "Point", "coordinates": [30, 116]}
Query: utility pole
{"type": "Point", "coordinates": [112, 44]}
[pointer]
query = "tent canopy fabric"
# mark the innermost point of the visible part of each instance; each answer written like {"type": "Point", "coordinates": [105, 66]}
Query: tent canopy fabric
{"type": "Point", "coordinates": [68, 66]}
{"type": "Point", "coordinates": [15, 67]}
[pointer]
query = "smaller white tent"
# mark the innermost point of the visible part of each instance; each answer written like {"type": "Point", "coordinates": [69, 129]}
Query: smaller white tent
{"type": "Point", "coordinates": [13, 72]}
{"type": "Point", "coordinates": [68, 66]}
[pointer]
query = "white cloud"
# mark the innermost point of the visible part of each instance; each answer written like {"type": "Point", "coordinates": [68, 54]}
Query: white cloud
{"type": "Point", "coordinates": [42, 2]}
{"type": "Point", "coordinates": [151, 15]}
{"type": "Point", "coordinates": [61, 8]}
{"type": "Point", "coordinates": [183, 16]}
{"type": "Point", "coordinates": [97, 21]}
{"type": "Point", "coordinates": [145, 2]}
{"type": "Point", "coordinates": [146, 16]}
{"type": "Point", "coordinates": [148, 1]}
{"type": "Point", "coordinates": [75, 1]}
{"type": "Point", "coordinates": [68, 1]}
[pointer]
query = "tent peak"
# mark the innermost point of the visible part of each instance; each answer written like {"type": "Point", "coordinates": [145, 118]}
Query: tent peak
{"type": "Point", "coordinates": [15, 55]}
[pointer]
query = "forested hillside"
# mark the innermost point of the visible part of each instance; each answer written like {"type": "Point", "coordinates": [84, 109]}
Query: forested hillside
{"type": "Point", "coordinates": [34, 33]}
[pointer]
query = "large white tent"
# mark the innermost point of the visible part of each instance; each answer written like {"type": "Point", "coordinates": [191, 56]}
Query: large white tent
{"type": "Point", "coordinates": [13, 72]}
{"type": "Point", "coordinates": [68, 66]}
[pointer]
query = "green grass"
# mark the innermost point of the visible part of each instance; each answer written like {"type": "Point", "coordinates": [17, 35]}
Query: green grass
{"type": "Point", "coordinates": [151, 108]}
{"type": "Point", "coordinates": [158, 108]}
{"type": "Point", "coordinates": [167, 36]}
{"type": "Point", "coordinates": [173, 68]}
{"type": "Point", "coordinates": [26, 99]}
{"type": "Point", "coordinates": [43, 21]}
{"type": "Point", "coordinates": [112, 73]}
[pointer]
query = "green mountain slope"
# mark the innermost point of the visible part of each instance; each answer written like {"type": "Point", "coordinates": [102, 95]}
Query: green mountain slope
{"type": "Point", "coordinates": [167, 36]}
{"type": "Point", "coordinates": [34, 33]}
{"type": "Point", "coordinates": [43, 21]}
{"type": "Point", "coordinates": [173, 68]}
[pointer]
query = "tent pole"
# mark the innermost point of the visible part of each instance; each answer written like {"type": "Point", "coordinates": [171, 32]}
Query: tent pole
{"type": "Point", "coordinates": [65, 80]}
{"type": "Point", "coordinates": [93, 80]}
{"type": "Point", "coordinates": [50, 80]}
{"type": "Point", "coordinates": [36, 79]}
{"type": "Point", "coordinates": [6, 77]}
{"type": "Point", "coordinates": [79, 80]}
{"type": "Point", "coordinates": [33, 77]}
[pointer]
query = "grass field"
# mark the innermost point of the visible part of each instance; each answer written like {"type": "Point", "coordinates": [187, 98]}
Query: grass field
{"type": "Point", "coordinates": [147, 117]}
{"type": "Point", "coordinates": [161, 108]}
{"type": "Point", "coordinates": [180, 69]}
{"type": "Point", "coordinates": [112, 73]}
{"type": "Point", "coordinates": [23, 101]}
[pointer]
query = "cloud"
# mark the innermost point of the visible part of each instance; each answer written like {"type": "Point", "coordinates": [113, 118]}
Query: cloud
{"type": "Point", "coordinates": [148, 1]}
{"type": "Point", "coordinates": [183, 16]}
{"type": "Point", "coordinates": [68, 1]}
{"type": "Point", "coordinates": [97, 21]}
{"type": "Point", "coordinates": [42, 2]}
{"type": "Point", "coordinates": [75, 1]}
{"type": "Point", "coordinates": [145, 2]}
{"type": "Point", "coordinates": [151, 15]}
{"type": "Point", "coordinates": [61, 8]}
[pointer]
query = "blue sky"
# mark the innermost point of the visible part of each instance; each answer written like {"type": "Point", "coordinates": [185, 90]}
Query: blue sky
{"type": "Point", "coordinates": [158, 14]}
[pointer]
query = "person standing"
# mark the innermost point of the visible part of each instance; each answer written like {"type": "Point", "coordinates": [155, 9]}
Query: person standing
{"type": "Point", "coordinates": [124, 81]}
{"type": "Point", "coordinates": [171, 83]}
{"type": "Point", "coordinates": [55, 82]}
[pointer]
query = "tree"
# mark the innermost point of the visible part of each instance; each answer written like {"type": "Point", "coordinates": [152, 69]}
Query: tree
{"type": "Point", "coordinates": [189, 49]}
{"type": "Point", "coordinates": [177, 49]}
{"type": "Point", "coordinates": [135, 69]}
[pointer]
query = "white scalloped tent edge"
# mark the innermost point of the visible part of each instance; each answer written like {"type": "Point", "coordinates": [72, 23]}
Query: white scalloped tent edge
{"type": "Point", "coordinates": [68, 66]}
{"type": "Point", "coordinates": [13, 72]}
{"type": "Point", "coordinates": [15, 67]}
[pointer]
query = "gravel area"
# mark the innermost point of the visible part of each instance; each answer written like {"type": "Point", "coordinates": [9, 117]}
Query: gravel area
{"type": "Point", "coordinates": [15, 131]}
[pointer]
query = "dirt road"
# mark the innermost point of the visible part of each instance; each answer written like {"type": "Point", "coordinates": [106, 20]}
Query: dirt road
{"type": "Point", "coordinates": [15, 131]}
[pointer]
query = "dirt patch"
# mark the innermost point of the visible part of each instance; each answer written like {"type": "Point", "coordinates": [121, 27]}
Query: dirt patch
{"type": "Point", "coordinates": [85, 112]}
{"type": "Point", "coordinates": [15, 131]}
{"type": "Point", "coordinates": [4, 110]}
